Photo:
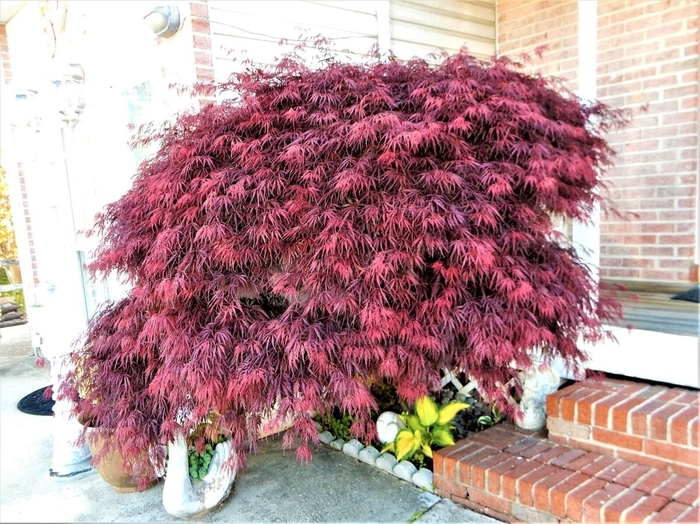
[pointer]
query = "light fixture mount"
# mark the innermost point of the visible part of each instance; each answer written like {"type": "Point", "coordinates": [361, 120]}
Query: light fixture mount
{"type": "Point", "coordinates": [164, 20]}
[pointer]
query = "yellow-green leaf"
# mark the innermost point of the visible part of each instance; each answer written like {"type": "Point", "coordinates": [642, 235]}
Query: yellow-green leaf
{"type": "Point", "coordinates": [442, 437]}
{"type": "Point", "coordinates": [427, 411]}
{"type": "Point", "coordinates": [414, 423]}
{"type": "Point", "coordinates": [404, 444]}
{"type": "Point", "coordinates": [449, 411]}
{"type": "Point", "coordinates": [427, 451]}
{"type": "Point", "coordinates": [388, 447]}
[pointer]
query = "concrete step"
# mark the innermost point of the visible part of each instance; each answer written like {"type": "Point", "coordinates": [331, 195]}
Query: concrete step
{"type": "Point", "coordinates": [652, 425]}
{"type": "Point", "coordinates": [513, 474]}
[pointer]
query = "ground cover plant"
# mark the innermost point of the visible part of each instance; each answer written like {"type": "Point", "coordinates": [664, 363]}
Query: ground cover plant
{"type": "Point", "coordinates": [332, 227]}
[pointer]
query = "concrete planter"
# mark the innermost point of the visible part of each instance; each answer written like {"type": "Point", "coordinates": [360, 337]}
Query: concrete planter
{"type": "Point", "coordinates": [184, 498]}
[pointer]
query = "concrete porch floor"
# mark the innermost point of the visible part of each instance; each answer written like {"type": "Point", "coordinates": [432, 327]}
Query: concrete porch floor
{"type": "Point", "coordinates": [274, 488]}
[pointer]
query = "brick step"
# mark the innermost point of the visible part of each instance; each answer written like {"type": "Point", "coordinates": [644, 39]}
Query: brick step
{"type": "Point", "coordinates": [653, 425]}
{"type": "Point", "coordinates": [522, 475]}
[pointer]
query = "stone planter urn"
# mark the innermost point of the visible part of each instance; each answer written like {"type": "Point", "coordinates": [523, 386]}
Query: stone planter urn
{"type": "Point", "coordinates": [538, 381]}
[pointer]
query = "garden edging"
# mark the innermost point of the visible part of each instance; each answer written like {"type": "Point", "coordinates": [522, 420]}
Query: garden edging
{"type": "Point", "coordinates": [422, 478]}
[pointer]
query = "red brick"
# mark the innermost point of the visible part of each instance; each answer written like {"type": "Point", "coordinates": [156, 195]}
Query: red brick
{"type": "Point", "coordinates": [524, 444]}
{"type": "Point", "coordinates": [690, 515]}
{"type": "Point", "coordinates": [575, 498]}
{"type": "Point", "coordinates": [640, 416]}
{"type": "Point", "coordinates": [582, 461]}
{"type": "Point", "coordinates": [584, 408]}
{"type": "Point", "coordinates": [643, 509]}
{"type": "Point", "coordinates": [553, 452]}
{"type": "Point", "coordinates": [659, 420]}
{"type": "Point", "coordinates": [565, 458]}
{"type": "Point", "coordinates": [524, 484]}
{"type": "Point", "coordinates": [631, 475]}
{"type": "Point", "coordinates": [652, 481]}
{"type": "Point", "coordinates": [679, 425]}
{"type": "Point", "coordinates": [448, 487]}
{"type": "Point", "coordinates": [669, 513]}
{"type": "Point", "coordinates": [602, 408]}
{"type": "Point", "coordinates": [499, 438]}
{"type": "Point", "coordinates": [535, 450]}
{"type": "Point", "coordinates": [494, 474]}
{"type": "Point", "coordinates": [197, 9]}
{"type": "Point", "coordinates": [480, 508]}
{"type": "Point", "coordinates": [445, 460]}
{"type": "Point", "coordinates": [464, 469]}
{"type": "Point", "coordinates": [567, 405]}
{"type": "Point", "coordinates": [613, 470]}
{"type": "Point", "coordinates": [612, 512]}
{"type": "Point", "coordinates": [594, 447]}
{"type": "Point", "coordinates": [644, 459]}
{"type": "Point", "coordinates": [688, 397]}
{"type": "Point", "coordinates": [201, 42]}
{"type": "Point", "coordinates": [620, 413]}
{"type": "Point", "coordinates": [617, 439]}
{"type": "Point", "coordinates": [478, 470]}
{"type": "Point", "coordinates": [690, 495]}
{"type": "Point", "coordinates": [694, 432]}
{"type": "Point", "coordinates": [673, 486]}
{"type": "Point", "coordinates": [553, 403]}
{"type": "Point", "coordinates": [510, 478]}
{"type": "Point", "coordinates": [559, 493]}
{"type": "Point", "coordinates": [671, 394]}
{"type": "Point", "coordinates": [597, 465]}
{"type": "Point", "coordinates": [593, 505]}
{"type": "Point", "coordinates": [672, 452]}
{"type": "Point", "coordinates": [490, 501]}
{"type": "Point", "coordinates": [683, 469]}
{"type": "Point", "coordinates": [541, 490]}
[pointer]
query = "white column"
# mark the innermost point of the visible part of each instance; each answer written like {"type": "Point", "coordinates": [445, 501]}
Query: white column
{"type": "Point", "coordinates": [383, 10]}
{"type": "Point", "coordinates": [586, 237]}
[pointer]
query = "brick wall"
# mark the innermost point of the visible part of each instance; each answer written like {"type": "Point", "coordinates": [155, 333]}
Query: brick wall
{"type": "Point", "coordinates": [524, 26]}
{"type": "Point", "coordinates": [648, 62]}
{"type": "Point", "coordinates": [25, 242]}
{"type": "Point", "coordinates": [5, 55]}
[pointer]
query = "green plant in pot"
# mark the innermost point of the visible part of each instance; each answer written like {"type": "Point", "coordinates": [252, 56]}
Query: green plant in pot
{"type": "Point", "coordinates": [428, 427]}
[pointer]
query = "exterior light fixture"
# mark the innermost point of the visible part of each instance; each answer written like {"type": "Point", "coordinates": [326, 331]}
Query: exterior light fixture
{"type": "Point", "coordinates": [164, 20]}
{"type": "Point", "coordinates": [69, 93]}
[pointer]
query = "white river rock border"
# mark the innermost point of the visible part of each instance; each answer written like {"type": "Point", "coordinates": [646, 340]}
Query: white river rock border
{"type": "Point", "coordinates": [422, 478]}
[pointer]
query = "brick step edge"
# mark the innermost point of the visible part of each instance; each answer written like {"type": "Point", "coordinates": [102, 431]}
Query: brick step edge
{"type": "Point", "coordinates": [523, 475]}
{"type": "Point", "coordinates": [653, 425]}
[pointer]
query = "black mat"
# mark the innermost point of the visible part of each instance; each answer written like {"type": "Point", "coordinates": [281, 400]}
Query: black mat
{"type": "Point", "coordinates": [692, 295]}
{"type": "Point", "coordinates": [36, 404]}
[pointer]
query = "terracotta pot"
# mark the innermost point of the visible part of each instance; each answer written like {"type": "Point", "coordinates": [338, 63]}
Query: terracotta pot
{"type": "Point", "coordinates": [112, 468]}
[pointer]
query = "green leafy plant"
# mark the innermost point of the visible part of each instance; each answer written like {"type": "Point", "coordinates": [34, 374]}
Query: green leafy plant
{"type": "Point", "coordinates": [199, 461]}
{"type": "Point", "coordinates": [486, 421]}
{"type": "Point", "coordinates": [337, 423]}
{"type": "Point", "coordinates": [427, 428]}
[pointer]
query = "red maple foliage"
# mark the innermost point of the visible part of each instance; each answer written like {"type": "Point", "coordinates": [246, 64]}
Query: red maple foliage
{"type": "Point", "coordinates": [379, 220]}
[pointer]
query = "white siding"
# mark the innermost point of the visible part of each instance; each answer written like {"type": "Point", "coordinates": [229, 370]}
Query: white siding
{"type": "Point", "coordinates": [253, 28]}
{"type": "Point", "coordinates": [420, 27]}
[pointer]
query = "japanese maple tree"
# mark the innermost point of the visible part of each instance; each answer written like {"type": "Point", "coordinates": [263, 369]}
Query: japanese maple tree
{"type": "Point", "coordinates": [331, 226]}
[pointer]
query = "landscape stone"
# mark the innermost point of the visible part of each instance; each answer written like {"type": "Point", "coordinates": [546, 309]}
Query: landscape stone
{"type": "Point", "coordinates": [368, 455]}
{"type": "Point", "coordinates": [337, 444]}
{"type": "Point", "coordinates": [405, 470]}
{"type": "Point", "coordinates": [387, 461]}
{"type": "Point", "coordinates": [353, 448]}
{"type": "Point", "coordinates": [423, 478]}
{"type": "Point", "coordinates": [326, 437]}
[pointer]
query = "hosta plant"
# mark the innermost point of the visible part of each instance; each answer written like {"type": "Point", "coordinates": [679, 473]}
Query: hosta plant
{"type": "Point", "coordinates": [428, 428]}
{"type": "Point", "coordinates": [326, 227]}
